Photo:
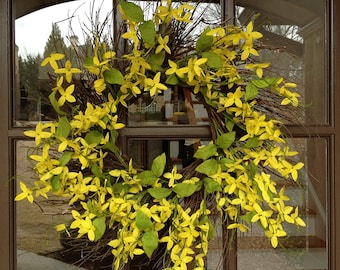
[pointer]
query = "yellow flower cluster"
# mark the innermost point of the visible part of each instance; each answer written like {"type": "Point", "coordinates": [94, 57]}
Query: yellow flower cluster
{"type": "Point", "coordinates": [73, 156]}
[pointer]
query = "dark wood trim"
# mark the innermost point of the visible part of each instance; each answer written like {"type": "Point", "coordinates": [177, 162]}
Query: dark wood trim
{"type": "Point", "coordinates": [287, 10]}
{"type": "Point", "coordinates": [7, 249]}
{"type": "Point", "coordinates": [334, 173]}
{"type": "Point", "coordinates": [308, 131]}
{"type": "Point", "coordinates": [228, 11]}
{"type": "Point", "coordinates": [166, 132]}
{"type": "Point", "coordinates": [162, 132]}
{"type": "Point", "coordinates": [25, 7]}
{"type": "Point", "coordinates": [8, 135]}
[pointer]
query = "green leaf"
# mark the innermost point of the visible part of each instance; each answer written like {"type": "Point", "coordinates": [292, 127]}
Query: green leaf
{"type": "Point", "coordinates": [185, 189]}
{"type": "Point", "coordinates": [96, 170]}
{"type": "Point", "coordinates": [113, 135]}
{"type": "Point", "coordinates": [211, 185]}
{"type": "Point", "coordinates": [65, 158]}
{"type": "Point", "coordinates": [251, 92]}
{"type": "Point", "coordinates": [208, 167]}
{"type": "Point", "coordinates": [148, 32]}
{"type": "Point", "coordinates": [119, 188]}
{"type": "Point", "coordinates": [224, 161]}
{"type": "Point", "coordinates": [206, 152]}
{"type": "Point", "coordinates": [132, 11]}
{"type": "Point", "coordinates": [261, 83]}
{"type": "Point", "coordinates": [94, 137]}
{"type": "Point", "coordinates": [114, 76]}
{"type": "Point", "coordinates": [159, 193]}
{"type": "Point", "coordinates": [147, 177]}
{"type": "Point", "coordinates": [158, 165]}
{"type": "Point", "coordinates": [172, 79]}
{"type": "Point", "coordinates": [100, 224]}
{"type": "Point", "coordinates": [225, 140]}
{"type": "Point", "coordinates": [63, 128]}
{"type": "Point", "coordinates": [91, 208]}
{"type": "Point", "coordinates": [252, 142]}
{"type": "Point", "coordinates": [150, 242]}
{"type": "Point", "coordinates": [211, 232]}
{"type": "Point", "coordinates": [214, 60]}
{"type": "Point", "coordinates": [88, 62]}
{"type": "Point", "coordinates": [247, 217]}
{"type": "Point", "coordinates": [110, 146]}
{"type": "Point", "coordinates": [55, 182]}
{"type": "Point", "coordinates": [143, 222]}
{"type": "Point", "coordinates": [105, 119]}
{"type": "Point", "coordinates": [156, 61]}
{"type": "Point", "coordinates": [55, 104]}
{"type": "Point", "coordinates": [253, 168]}
{"type": "Point", "coordinates": [204, 42]}
{"type": "Point", "coordinates": [229, 125]}
{"type": "Point", "coordinates": [272, 81]}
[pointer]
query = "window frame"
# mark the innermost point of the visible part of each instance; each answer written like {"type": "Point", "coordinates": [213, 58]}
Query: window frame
{"type": "Point", "coordinates": [9, 134]}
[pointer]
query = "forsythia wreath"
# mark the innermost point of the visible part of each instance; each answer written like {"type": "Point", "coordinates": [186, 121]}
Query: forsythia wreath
{"type": "Point", "coordinates": [235, 175]}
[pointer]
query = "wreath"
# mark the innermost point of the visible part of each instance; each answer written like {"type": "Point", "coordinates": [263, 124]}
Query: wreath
{"type": "Point", "coordinates": [137, 210]}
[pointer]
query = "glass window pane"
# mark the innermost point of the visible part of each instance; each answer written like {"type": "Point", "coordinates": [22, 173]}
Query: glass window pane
{"type": "Point", "coordinates": [304, 248]}
{"type": "Point", "coordinates": [294, 43]}
{"type": "Point", "coordinates": [178, 152]}
{"type": "Point", "coordinates": [177, 106]}
{"type": "Point", "coordinates": [64, 28]}
{"type": "Point", "coordinates": [59, 28]}
{"type": "Point", "coordinates": [174, 107]}
{"type": "Point", "coordinates": [35, 228]}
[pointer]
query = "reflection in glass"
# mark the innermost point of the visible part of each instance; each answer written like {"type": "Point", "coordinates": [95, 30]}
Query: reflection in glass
{"type": "Point", "coordinates": [304, 248]}
{"type": "Point", "coordinates": [36, 222]}
{"type": "Point", "coordinates": [67, 29]}
{"type": "Point", "coordinates": [175, 106]}
{"type": "Point", "coordinates": [294, 43]}
{"type": "Point", "coordinates": [178, 152]}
